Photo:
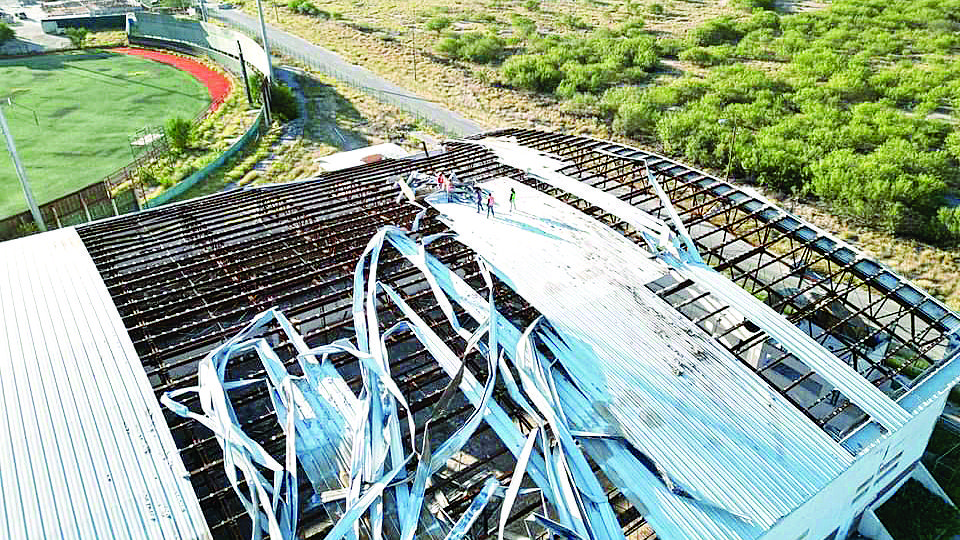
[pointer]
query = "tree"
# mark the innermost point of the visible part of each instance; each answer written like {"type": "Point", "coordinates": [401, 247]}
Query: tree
{"type": "Point", "coordinates": [439, 23]}
{"type": "Point", "coordinates": [77, 36]}
{"type": "Point", "coordinates": [6, 33]}
{"type": "Point", "coordinates": [178, 131]}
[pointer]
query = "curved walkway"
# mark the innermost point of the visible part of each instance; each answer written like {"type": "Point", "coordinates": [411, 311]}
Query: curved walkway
{"type": "Point", "coordinates": [351, 74]}
{"type": "Point", "coordinates": [216, 83]}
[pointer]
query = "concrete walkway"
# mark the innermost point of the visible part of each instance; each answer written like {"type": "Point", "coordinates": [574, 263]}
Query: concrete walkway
{"type": "Point", "coordinates": [352, 74]}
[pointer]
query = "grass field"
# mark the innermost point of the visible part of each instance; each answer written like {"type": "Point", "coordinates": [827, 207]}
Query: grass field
{"type": "Point", "coordinates": [88, 107]}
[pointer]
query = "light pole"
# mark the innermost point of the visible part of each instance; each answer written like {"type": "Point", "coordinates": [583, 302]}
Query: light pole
{"type": "Point", "coordinates": [263, 36]}
{"type": "Point", "coordinates": [21, 173]}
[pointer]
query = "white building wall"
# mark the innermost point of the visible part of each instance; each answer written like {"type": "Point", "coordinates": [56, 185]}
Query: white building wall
{"type": "Point", "coordinates": [853, 491]}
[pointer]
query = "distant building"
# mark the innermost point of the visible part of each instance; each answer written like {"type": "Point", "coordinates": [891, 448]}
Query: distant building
{"type": "Point", "coordinates": [89, 14]}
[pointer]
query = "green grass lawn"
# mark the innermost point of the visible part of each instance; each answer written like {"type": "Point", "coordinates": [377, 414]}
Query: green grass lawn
{"type": "Point", "coordinates": [88, 106]}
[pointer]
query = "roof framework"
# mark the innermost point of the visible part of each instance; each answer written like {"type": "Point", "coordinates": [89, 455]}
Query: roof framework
{"type": "Point", "coordinates": [186, 277]}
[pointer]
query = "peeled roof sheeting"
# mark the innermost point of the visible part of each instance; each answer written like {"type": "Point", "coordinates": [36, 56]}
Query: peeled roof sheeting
{"type": "Point", "coordinates": [84, 449]}
{"type": "Point", "coordinates": [715, 428]}
{"type": "Point", "coordinates": [836, 371]}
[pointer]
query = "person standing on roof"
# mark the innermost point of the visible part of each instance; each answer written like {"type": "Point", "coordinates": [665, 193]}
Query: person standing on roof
{"type": "Point", "coordinates": [449, 187]}
{"type": "Point", "coordinates": [479, 199]}
{"type": "Point", "coordinates": [490, 205]}
{"type": "Point", "coordinates": [440, 180]}
{"type": "Point", "coordinates": [513, 199]}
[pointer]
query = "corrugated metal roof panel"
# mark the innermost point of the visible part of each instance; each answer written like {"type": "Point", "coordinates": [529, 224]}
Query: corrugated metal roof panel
{"type": "Point", "coordinates": [674, 392]}
{"type": "Point", "coordinates": [84, 448]}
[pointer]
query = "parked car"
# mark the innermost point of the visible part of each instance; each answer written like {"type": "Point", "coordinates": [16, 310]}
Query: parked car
{"type": "Point", "coordinates": [22, 15]}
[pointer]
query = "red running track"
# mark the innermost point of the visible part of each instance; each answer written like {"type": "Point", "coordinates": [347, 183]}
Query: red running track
{"type": "Point", "coordinates": [216, 83]}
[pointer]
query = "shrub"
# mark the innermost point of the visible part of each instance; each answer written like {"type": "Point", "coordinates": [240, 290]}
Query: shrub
{"type": "Point", "coordinates": [439, 23]}
{"type": "Point", "coordinates": [670, 47]}
{"type": "Point", "coordinates": [614, 98]}
{"type": "Point", "coordinates": [6, 33]}
{"type": "Point", "coordinates": [751, 5]}
{"type": "Point", "coordinates": [718, 31]}
{"type": "Point", "coordinates": [524, 26]}
{"type": "Point", "coordinates": [283, 102]}
{"type": "Point", "coordinates": [952, 143]}
{"type": "Point", "coordinates": [306, 7]}
{"type": "Point", "coordinates": [589, 64]}
{"type": "Point", "coordinates": [819, 63]}
{"type": "Point", "coordinates": [706, 56]}
{"type": "Point", "coordinates": [532, 5]}
{"type": "Point", "coordinates": [636, 119]}
{"type": "Point", "coordinates": [178, 130]}
{"type": "Point", "coordinates": [77, 36]}
{"type": "Point", "coordinates": [479, 47]}
{"type": "Point", "coordinates": [758, 45]}
{"type": "Point", "coordinates": [945, 226]}
{"type": "Point", "coordinates": [656, 9]}
{"type": "Point", "coordinates": [574, 22]}
{"type": "Point", "coordinates": [532, 72]}
{"type": "Point", "coordinates": [881, 186]}
{"type": "Point", "coordinates": [774, 160]}
{"type": "Point", "coordinates": [587, 77]}
{"type": "Point", "coordinates": [768, 20]}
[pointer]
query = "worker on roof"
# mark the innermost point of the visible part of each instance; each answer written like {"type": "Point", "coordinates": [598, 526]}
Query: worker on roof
{"type": "Point", "coordinates": [479, 199]}
{"type": "Point", "coordinates": [490, 205]}
{"type": "Point", "coordinates": [513, 199]}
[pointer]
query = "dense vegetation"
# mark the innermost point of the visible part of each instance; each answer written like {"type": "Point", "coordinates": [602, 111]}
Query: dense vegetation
{"type": "Point", "coordinates": [568, 65]}
{"type": "Point", "coordinates": [6, 32]}
{"type": "Point", "coordinates": [306, 7]}
{"type": "Point", "coordinates": [833, 103]}
{"type": "Point", "coordinates": [916, 514]}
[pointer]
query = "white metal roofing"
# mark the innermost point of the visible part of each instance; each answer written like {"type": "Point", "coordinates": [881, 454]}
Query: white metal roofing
{"type": "Point", "coordinates": [84, 448]}
{"type": "Point", "coordinates": [714, 426]}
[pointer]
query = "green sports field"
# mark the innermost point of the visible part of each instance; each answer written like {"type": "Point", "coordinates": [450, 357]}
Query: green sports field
{"type": "Point", "coordinates": [88, 106]}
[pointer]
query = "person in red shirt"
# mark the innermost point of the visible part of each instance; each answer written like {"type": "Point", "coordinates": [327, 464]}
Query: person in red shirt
{"type": "Point", "coordinates": [490, 205]}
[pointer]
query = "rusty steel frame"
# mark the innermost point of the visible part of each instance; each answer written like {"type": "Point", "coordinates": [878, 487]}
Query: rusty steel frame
{"type": "Point", "coordinates": [186, 277]}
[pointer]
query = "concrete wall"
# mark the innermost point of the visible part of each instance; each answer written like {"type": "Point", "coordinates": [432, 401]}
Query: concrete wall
{"type": "Point", "coordinates": [207, 38]}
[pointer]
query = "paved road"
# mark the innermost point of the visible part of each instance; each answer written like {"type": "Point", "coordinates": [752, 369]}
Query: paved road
{"type": "Point", "coordinates": [338, 67]}
{"type": "Point", "coordinates": [30, 36]}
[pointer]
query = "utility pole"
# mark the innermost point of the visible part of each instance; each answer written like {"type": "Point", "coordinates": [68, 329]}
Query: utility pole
{"type": "Point", "coordinates": [266, 49]}
{"type": "Point", "coordinates": [21, 174]}
{"type": "Point", "coordinates": [414, 47]}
